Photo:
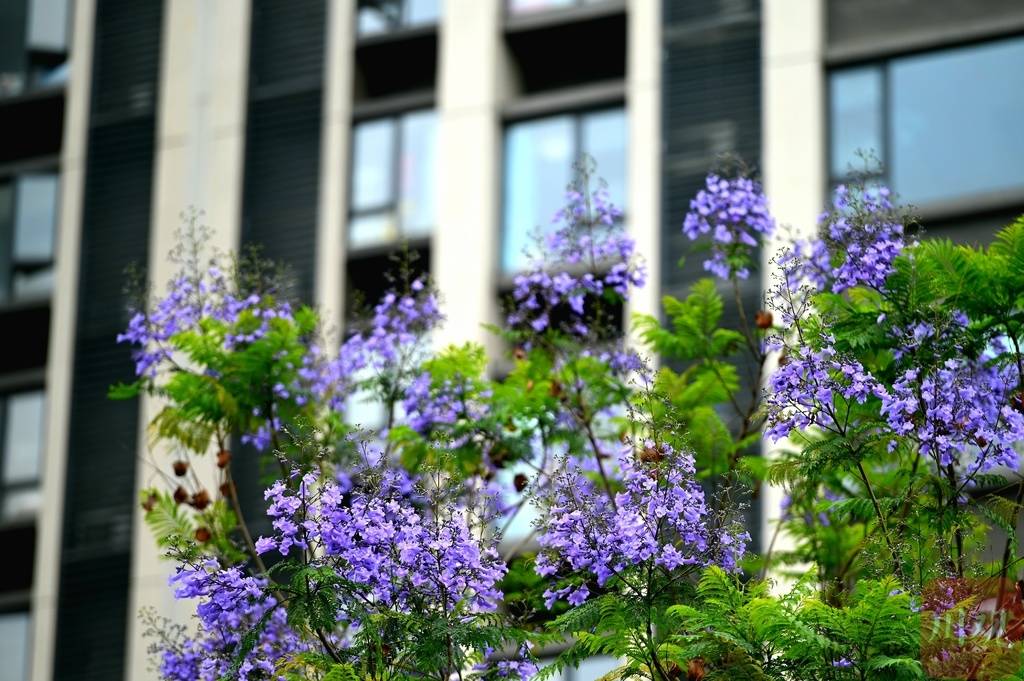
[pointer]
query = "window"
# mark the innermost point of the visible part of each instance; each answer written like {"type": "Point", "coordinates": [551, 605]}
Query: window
{"type": "Point", "coordinates": [33, 45]}
{"type": "Point", "coordinates": [529, 6]}
{"type": "Point", "coordinates": [539, 155]}
{"type": "Point", "coordinates": [944, 124]}
{"type": "Point", "coordinates": [382, 16]}
{"type": "Point", "coordinates": [393, 172]}
{"type": "Point", "coordinates": [28, 219]}
{"type": "Point", "coordinates": [14, 645]}
{"type": "Point", "coordinates": [22, 426]}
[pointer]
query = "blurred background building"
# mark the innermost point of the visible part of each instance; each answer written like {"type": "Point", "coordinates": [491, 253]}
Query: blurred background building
{"type": "Point", "coordinates": [331, 131]}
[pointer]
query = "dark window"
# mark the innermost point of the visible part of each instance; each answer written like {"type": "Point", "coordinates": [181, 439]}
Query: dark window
{"type": "Point", "coordinates": [383, 16]}
{"type": "Point", "coordinates": [33, 45]}
{"type": "Point", "coordinates": [394, 166]}
{"type": "Point", "coordinates": [944, 124]}
{"type": "Point", "coordinates": [28, 219]}
{"type": "Point", "coordinates": [22, 425]}
{"type": "Point", "coordinates": [539, 156]}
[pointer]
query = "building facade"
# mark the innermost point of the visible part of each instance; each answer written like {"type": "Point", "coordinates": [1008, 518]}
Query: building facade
{"type": "Point", "coordinates": [329, 132]}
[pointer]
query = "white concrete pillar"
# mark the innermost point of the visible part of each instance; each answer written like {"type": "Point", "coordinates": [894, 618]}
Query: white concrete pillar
{"type": "Point", "coordinates": [197, 164]}
{"type": "Point", "coordinates": [59, 370]}
{"type": "Point", "coordinates": [793, 156]}
{"type": "Point", "coordinates": [643, 108]}
{"type": "Point", "coordinates": [334, 162]}
{"type": "Point", "coordinates": [465, 244]}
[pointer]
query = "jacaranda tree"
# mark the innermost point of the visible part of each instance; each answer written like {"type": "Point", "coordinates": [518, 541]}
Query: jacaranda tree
{"type": "Point", "coordinates": [883, 368]}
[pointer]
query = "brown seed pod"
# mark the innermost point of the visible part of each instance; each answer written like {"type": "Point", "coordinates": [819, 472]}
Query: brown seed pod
{"type": "Point", "coordinates": [651, 455]}
{"type": "Point", "coordinates": [520, 482]}
{"type": "Point", "coordinates": [180, 467]}
{"type": "Point", "coordinates": [556, 389]}
{"type": "Point", "coordinates": [150, 503]}
{"type": "Point", "coordinates": [225, 489]}
{"type": "Point", "coordinates": [180, 495]}
{"type": "Point", "coordinates": [763, 319]}
{"type": "Point", "coordinates": [695, 670]}
{"type": "Point", "coordinates": [202, 535]}
{"type": "Point", "coordinates": [223, 458]}
{"type": "Point", "coordinates": [200, 500]}
{"type": "Point", "coordinates": [519, 354]}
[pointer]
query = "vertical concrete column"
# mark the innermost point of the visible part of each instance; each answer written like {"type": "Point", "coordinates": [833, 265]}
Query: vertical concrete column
{"type": "Point", "coordinates": [643, 107]}
{"type": "Point", "coordinates": [465, 244]}
{"type": "Point", "coordinates": [334, 154]}
{"type": "Point", "coordinates": [794, 142]}
{"type": "Point", "coordinates": [59, 370]}
{"type": "Point", "coordinates": [197, 165]}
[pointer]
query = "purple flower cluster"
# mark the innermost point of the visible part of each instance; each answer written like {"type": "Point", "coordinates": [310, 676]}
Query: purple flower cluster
{"type": "Point", "coordinates": [735, 213]}
{"type": "Point", "coordinates": [401, 554]}
{"type": "Point", "coordinates": [861, 237]}
{"type": "Point", "coordinates": [231, 604]}
{"type": "Point", "coordinates": [189, 300]}
{"type": "Point", "coordinates": [802, 390]}
{"type": "Point", "coordinates": [428, 406]}
{"type": "Point", "coordinates": [659, 518]}
{"type": "Point", "coordinates": [960, 407]}
{"type": "Point", "coordinates": [399, 322]}
{"type": "Point", "coordinates": [589, 255]}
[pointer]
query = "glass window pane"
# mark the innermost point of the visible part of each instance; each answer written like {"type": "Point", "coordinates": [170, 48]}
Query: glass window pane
{"type": "Point", "coordinates": [604, 138]}
{"type": "Point", "coordinates": [418, 172]}
{"type": "Point", "coordinates": [20, 503]}
{"type": "Point", "coordinates": [526, 6]}
{"type": "Point", "coordinates": [14, 646]}
{"type": "Point", "coordinates": [36, 282]}
{"type": "Point", "coordinates": [23, 436]}
{"type": "Point", "coordinates": [373, 163]}
{"type": "Point", "coordinates": [6, 227]}
{"type": "Point", "coordinates": [421, 12]}
{"type": "Point", "coordinates": [956, 128]}
{"type": "Point", "coordinates": [372, 230]}
{"type": "Point", "coordinates": [35, 217]}
{"type": "Point", "coordinates": [855, 116]}
{"type": "Point", "coordinates": [378, 16]}
{"type": "Point", "coordinates": [48, 25]}
{"type": "Point", "coordinates": [538, 167]}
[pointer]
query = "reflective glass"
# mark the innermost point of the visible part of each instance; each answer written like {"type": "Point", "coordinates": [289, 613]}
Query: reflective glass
{"type": "Point", "coordinates": [418, 169]}
{"type": "Point", "coordinates": [20, 503]}
{"type": "Point", "coordinates": [604, 138]}
{"type": "Point", "coordinates": [526, 6]}
{"type": "Point", "coordinates": [856, 118]}
{"type": "Point", "coordinates": [421, 12]}
{"type": "Point", "coordinates": [593, 668]}
{"type": "Point", "coordinates": [35, 217]}
{"type": "Point", "coordinates": [374, 229]}
{"type": "Point", "coordinates": [955, 126]}
{"type": "Point", "coordinates": [378, 16]}
{"type": "Point", "coordinates": [23, 436]}
{"type": "Point", "coordinates": [538, 167]}
{"type": "Point", "coordinates": [14, 645]}
{"type": "Point", "coordinates": [373, 164]}
{"type": "Point", "coordinates": [6, 222]}
{"type": "Point", "coordinates": [36, 282]}
{"type": "Point", "coordinates": [48, 25]}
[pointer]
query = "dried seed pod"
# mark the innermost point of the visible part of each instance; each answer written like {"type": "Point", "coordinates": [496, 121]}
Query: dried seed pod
{"type": "Point", "coordinates": [180, 467]}
{"type": "Point", "coordinates": [225, 489]}
{"type": "Point", "coordinates": [695, 670]}
{"type": "Point", "coordinates": [200, 500]}
{"type": "Point", "coordinates": [520, 482]}
{"type": "Point", "coordinates": [180, 495]}
{"type": "Point", "coordinates": [202, 535]}
{"type": "Point", "coordinates": [223, 458]}
{"type": "Point", "coordinates": [519, 354]}
{"type": "Point", "coordinates": [150, 503]}
{"type": "Point", "coordinates": [651, 455]}
{"type": "Point", "coordinates": [763, 319]}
